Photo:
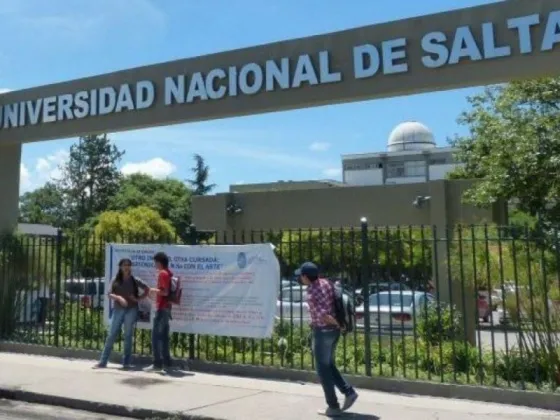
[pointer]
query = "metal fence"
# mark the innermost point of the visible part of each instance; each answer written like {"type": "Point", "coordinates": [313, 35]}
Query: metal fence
{"type": "Point", "coordinates": [466, 304]}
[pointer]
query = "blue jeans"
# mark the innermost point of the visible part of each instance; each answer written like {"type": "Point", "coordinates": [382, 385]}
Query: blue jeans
{"type": "Point", "coordinates": [126, 317]}
{"type": "Point", "coordinates": [160, 338]}
{"type": "Point", "coordinates": [324, 352]}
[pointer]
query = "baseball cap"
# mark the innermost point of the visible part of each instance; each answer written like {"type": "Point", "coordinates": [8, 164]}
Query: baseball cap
{"type": "Point", "coordinates": [307, 269]}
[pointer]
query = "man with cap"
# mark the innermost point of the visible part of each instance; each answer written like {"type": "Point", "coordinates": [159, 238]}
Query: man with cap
{"type": "Point", "coordinates": [326, 333]}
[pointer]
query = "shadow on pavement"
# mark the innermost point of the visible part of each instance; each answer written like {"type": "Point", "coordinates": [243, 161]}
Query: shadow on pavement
{"type": "Point", "coordinates": [357, 416]}
{"type": "Point", "coordinates": [177, 373]}
{"type": "Point", "coordinates": [141, 382]}
{"type": "Point", "coordinates": [173, 373]}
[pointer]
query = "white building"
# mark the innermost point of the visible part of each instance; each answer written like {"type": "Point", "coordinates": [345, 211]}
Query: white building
{"type": "Point", "coordinates": [411, 156]}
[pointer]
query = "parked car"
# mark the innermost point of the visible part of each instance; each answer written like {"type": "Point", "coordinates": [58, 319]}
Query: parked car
{"type": "Point", "coordinates": [530, 306]}
{"type": "Point", "coordinates": [382, 287]}
{"type": "Point", "coordinates": [394, 310]}
{"type": "Point", "coordinates": [89, 292]}
{"type": "Point", "coordinates": [292, 306]}
{"type": "Point", "coordinates": [285, 284]}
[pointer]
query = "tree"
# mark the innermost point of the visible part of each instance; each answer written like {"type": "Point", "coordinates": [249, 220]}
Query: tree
{"type": "Point", "coordinates": [201, 173]}
{"type": "Point", "coordinates": [169, 197]}
{"type": "Point", "coordinates": [45, 205]}
{"type": "Point", "coordinates": [134, 225]}
{"type": "Point", "coordinates": [391, 252]}
{"type": "Point", "coordinates": [139, 224]}
{"type": "Point", "coordinates": [91, 177]}
{"type": "Point", "coordinates": [513, 147]}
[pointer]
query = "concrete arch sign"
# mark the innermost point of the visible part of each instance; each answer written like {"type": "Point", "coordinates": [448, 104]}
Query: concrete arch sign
{"type": "Point", "coordinates": [467, 47]}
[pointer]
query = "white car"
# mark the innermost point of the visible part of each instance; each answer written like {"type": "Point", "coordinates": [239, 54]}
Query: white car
{"type": "Point", "coordinates": [383, 287]}
{"type": "Point", "coordinates": [285, 284]}
{"type": "Point", "coordinates": [292, 307]}
{"type": "Point", "coordinates": [394, 311]}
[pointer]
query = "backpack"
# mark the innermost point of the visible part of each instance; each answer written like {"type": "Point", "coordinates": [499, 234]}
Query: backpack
{"type": "Point", "coordinates": [175, 291]}
{"type": "Point", "coordinates": [344, 310]}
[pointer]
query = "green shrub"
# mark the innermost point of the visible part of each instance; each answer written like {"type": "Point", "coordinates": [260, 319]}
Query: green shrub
{"type": "Point", "coordinates": [439, 323]}
{"type": "Point", "coordinates": [81, 325]}
{"type": "Point", "coordinates": [429, 356]}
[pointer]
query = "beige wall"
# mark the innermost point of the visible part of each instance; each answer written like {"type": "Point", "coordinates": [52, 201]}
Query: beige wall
{"type": "Point", "coordinates": [339, 207]}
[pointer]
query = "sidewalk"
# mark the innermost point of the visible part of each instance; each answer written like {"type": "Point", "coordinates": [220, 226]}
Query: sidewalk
{"type": "Point", "coordinates": [221, 397]}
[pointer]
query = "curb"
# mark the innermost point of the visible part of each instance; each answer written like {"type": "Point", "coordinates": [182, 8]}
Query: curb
{"type": "Point", "coordinates": [530, 399]}
{"type": "Point", "coordinates": [96, 407]}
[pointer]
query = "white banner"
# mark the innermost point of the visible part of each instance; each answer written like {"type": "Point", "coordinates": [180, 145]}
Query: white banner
{"type": "Point", "coordinates": [228, 290]}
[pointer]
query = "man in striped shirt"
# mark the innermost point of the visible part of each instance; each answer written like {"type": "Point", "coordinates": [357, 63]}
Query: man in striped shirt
{"type": "Point", "coordinates": [326, 333]}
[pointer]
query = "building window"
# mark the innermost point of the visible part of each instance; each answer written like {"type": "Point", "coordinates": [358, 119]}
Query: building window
{"type": "Point", "coordinates": [437, 161]}
{"type": "Point", "coordinates": [415, 168]}
{"type": "Point", "coordinates": [395, 170]}
{"type": "Point", "coordinates": [406, 169]}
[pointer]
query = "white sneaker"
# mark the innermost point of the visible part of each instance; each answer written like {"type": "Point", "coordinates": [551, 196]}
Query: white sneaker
{"type": "Point", "coordinates": [153, 369]}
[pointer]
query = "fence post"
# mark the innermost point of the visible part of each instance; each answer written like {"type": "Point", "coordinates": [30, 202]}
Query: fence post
{"type": "Point", "coordinates": [58, 286]}
{"type": "Point", "coordinates": [365, 288]}
{"type": "Point", "coordinates": [193, 240]}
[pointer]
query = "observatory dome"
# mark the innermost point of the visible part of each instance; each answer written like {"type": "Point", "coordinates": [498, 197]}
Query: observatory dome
{"type": "Point", "coordinates": [410, 135]}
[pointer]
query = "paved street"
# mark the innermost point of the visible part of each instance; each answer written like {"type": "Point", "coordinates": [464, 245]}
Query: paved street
{"type": "Point", "coordinates": [17, 410]}
{"type": "Point", "coordinates": [228, 398]}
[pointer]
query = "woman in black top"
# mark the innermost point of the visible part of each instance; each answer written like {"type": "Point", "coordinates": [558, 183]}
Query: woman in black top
{"type": "Point", "coordinates": [125, 294]}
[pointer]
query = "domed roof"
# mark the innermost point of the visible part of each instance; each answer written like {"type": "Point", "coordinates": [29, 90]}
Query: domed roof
{"type": "Point", "coordinates": [410, 135]}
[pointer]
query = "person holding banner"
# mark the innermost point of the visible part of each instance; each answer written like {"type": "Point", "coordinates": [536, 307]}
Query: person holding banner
{"type": "Point", "coordinates": [326, 333]}
{"type": "Point", "coordinates": [125, 295]}
{"type": "Point", "coordinates": [160, 330]}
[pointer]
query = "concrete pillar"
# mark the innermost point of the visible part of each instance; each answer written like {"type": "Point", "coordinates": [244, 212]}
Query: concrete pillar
{"type": "Point", "coordinates": [427, 155]}
{"type": "Point", "coordinates": [450, 290]}
{"type": "Point", "coordinates": [10, 162]}
{"type": "Point", "coordinates": [384, 163]}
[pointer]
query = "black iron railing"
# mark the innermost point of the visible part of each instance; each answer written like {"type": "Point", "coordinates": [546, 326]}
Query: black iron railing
{"type": "Point", "coordinates": [466, 304]}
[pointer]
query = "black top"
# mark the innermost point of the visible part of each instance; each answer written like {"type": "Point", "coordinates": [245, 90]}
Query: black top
{"type": "Point", "coordinates": [129, 287]}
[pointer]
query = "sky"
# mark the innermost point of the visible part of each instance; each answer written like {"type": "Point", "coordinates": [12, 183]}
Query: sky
{"type": "Point", "coordinates": [58, 40]}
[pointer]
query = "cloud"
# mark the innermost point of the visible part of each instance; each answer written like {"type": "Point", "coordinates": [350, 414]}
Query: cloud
{"type": "Point", "coordinates": [332, 172]}
{"type": "Point", "coordinates": [4, 90]}
{"type": "Point", "coordinates": [157, 168]}
{"type": "Point", "coordinates": [24, 178]}
{"type": "Point", "coordinates": [49, 168]}
{"type": "Point", "coordinates": [45, 169]}
{"type": "Point", "coordinates": [241, 144]}
{"type": "Point", "coordinates": [319, 146]}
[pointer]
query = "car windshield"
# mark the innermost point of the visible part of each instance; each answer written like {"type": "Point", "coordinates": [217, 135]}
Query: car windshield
{"type": "Point", "coordinates": [390, 299]}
